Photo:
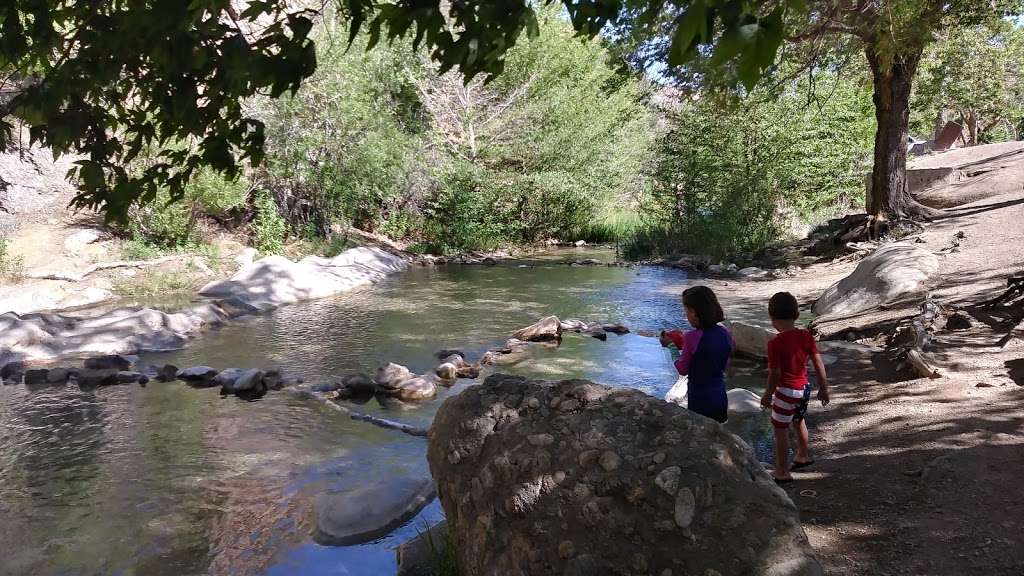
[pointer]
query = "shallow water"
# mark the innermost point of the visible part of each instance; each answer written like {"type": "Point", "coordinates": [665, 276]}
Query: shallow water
{"type": "Point", "coordinates": [170, 480]}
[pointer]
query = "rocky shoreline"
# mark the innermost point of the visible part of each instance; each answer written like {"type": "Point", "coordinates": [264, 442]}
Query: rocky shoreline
{"type": "Point", "coordinates": [260, 286]}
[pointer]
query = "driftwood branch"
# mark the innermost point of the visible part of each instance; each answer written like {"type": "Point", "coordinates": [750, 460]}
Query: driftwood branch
{"type": "Point", "coordinates": [382, 422]}
{"type": "Point", "coordinates": [920, 336]}
{"type": "Point", "coordinates": [79, 276]}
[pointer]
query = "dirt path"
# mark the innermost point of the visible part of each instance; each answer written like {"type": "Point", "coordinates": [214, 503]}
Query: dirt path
{"type": "Point", "coordinates": [923, 476]}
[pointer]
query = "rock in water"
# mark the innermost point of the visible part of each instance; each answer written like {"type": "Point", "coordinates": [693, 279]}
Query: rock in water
{"type": "Point", "coordinates": [166, 373]}
{"type": "Point", "coordinates": [546, 329]}
{"type": "Point", "coordinates": [12, 371]}
{"type": "Point", "coordinates": [198, 376]}
{"type": "Point", "coordinates": [447, 371]}
{"type": "Point", "coordinates": [359, 384]}
{"type": "Point", "coordinates": [417, 388]}
{"type": "Point", "coordinates": [888, 274]}
{"type": "Point", "coordinates": [110, 362]}
{"type": "Point", "coordinates": [629, 485]}
{"type": "Point", "coordinates": [227, 378]}
{"type": "Point", "coordinates": [370, 511]}
{"type": "Point", "coordinates": [391, 375]}
{"type": "Point", "coordinates": [36, 376]}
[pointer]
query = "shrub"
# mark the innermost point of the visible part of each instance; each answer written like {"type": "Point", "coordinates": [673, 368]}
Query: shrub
{"type": "Point", "coordinates": [268, 227]}
{"type": "Point", "coordinates": [12, 268]}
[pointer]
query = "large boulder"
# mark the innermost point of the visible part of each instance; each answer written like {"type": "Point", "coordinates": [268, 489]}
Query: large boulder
{"type": "Point", "coordinates": [370, 511]}
{"type": "Point", "coordinates": [276, 280]}
{"type": "Point", "coordinates": [576, 478]}
{"type": "Point", "coordinates": [889, 274]}
{"type": "Point", "coordinates": [546, 329]}
{"type": "Point", "coordinates": [751, 340]}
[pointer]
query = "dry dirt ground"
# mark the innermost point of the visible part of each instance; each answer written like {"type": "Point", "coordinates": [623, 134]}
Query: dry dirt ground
{"type": "Point", "coordinates": [923, 476]}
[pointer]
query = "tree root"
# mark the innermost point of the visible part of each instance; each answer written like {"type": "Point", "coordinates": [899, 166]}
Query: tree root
{"type": "Point", "coordinates": [1014, 294]}
{"type": "Point", "coordinates": [79, 276]}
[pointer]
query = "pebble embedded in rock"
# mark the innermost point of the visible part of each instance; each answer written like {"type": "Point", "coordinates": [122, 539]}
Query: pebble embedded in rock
{"type": "Point", "coordinates": [668, 479]}
{"type": "Point", "coordinates": [686, 505]}
{"type": "Point", "coordinates": [610, 460]}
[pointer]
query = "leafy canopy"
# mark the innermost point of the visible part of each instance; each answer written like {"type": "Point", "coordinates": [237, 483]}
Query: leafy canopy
{"type": "Point", "coordinates": [111, 78]}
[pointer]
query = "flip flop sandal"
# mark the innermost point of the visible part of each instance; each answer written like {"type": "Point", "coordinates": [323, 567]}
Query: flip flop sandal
{"type": "Point", "coordinates": [781, 481]}
{"type": "Point", "coordinates": [799, 465]}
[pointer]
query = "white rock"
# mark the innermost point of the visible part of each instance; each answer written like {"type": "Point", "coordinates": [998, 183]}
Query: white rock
{"type": "Point", "coordinates": [276, 280]}
{"type": "Point", "coordinates": [888, 274]}
{"type": "Point", "coordinates": [743, 401]}
{"type": "Point", "coordinates": [751, 340]}
{"type": "Point", "coordinates": [752, 272]}
{"type": "Point", "coordinates": [80, 239]}
{"type": "Point", "coordinates": [245, 257]}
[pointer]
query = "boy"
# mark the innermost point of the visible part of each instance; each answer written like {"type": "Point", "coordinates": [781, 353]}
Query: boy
{"type": "Point", "coordinates": [788, 389]}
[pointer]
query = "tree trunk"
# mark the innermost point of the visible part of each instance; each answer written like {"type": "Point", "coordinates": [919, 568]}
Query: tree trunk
{"type": "Point", "coordinates": [892, 79]}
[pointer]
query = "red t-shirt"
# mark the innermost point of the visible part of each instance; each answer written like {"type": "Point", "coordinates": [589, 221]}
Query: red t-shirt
{"type": "Point", "coordinates": [789, 351]}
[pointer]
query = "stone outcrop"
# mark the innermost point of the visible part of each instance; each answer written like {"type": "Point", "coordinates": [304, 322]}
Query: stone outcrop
{"type": "Point", "coordinates": [577, 478]}
{"type": "Point", "coordinates": [891, 273]}
{"type": "Point", "coordinates": [371, 510]}
{"type": "Point", "coordinates": [275, 280]}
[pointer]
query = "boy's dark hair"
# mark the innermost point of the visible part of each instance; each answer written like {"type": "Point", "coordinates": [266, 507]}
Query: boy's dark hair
{"type": "Point", "coordinates": [783, 306]}
{"type": "Point", "coordinates": [705, 304]}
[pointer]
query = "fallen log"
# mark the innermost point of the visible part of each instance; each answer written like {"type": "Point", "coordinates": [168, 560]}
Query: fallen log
{"type": "Point", "coordinates": [382, 422]}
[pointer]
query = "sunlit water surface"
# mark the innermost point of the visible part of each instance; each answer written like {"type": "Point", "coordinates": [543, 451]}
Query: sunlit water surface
{"type": "Point", "coordinates": [169, 480]}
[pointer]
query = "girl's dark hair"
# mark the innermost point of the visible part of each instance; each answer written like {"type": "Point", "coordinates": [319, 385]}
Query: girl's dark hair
{"type": "Point", "coordinates": [704, 303]}
{"type": "Point", "coordinates": [783, 306]}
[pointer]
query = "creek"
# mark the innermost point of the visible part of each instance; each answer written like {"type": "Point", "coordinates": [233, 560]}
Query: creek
{"type": "Point", "coordinates": [169, 480]}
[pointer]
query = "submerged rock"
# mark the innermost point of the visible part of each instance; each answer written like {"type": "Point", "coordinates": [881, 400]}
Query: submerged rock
{"type": "Point", "coordinates": [627, 484]}
{"type": "Point", "coordinates": [617, 329]}
{"type": "Point", "coordinates": [370, 511]}
{"type": "Point", "coordinates": [359, 384]}
{"type": "Point", "coordinates": [545, 329]}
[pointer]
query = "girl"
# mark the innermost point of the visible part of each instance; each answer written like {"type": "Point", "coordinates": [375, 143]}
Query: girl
{"type": "Point", "coordinates": [705, 354]}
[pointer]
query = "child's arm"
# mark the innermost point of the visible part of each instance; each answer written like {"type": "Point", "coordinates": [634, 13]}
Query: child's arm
{"type": "Point", "coordinates": [819, 367]}
{"type": "Point", "coordinates": [774, 376]}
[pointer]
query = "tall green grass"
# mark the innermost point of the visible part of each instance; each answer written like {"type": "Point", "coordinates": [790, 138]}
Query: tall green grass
{"type": "Point", "coordinates": [613, 226]}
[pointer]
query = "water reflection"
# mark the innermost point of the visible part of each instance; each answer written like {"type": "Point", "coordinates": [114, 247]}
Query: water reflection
{"type": "Point", "coordinates": [170, 480]}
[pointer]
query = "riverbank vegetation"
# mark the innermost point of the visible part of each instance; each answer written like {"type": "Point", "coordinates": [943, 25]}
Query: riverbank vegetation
{"type": "Point", "coordinates": [590, 138]}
